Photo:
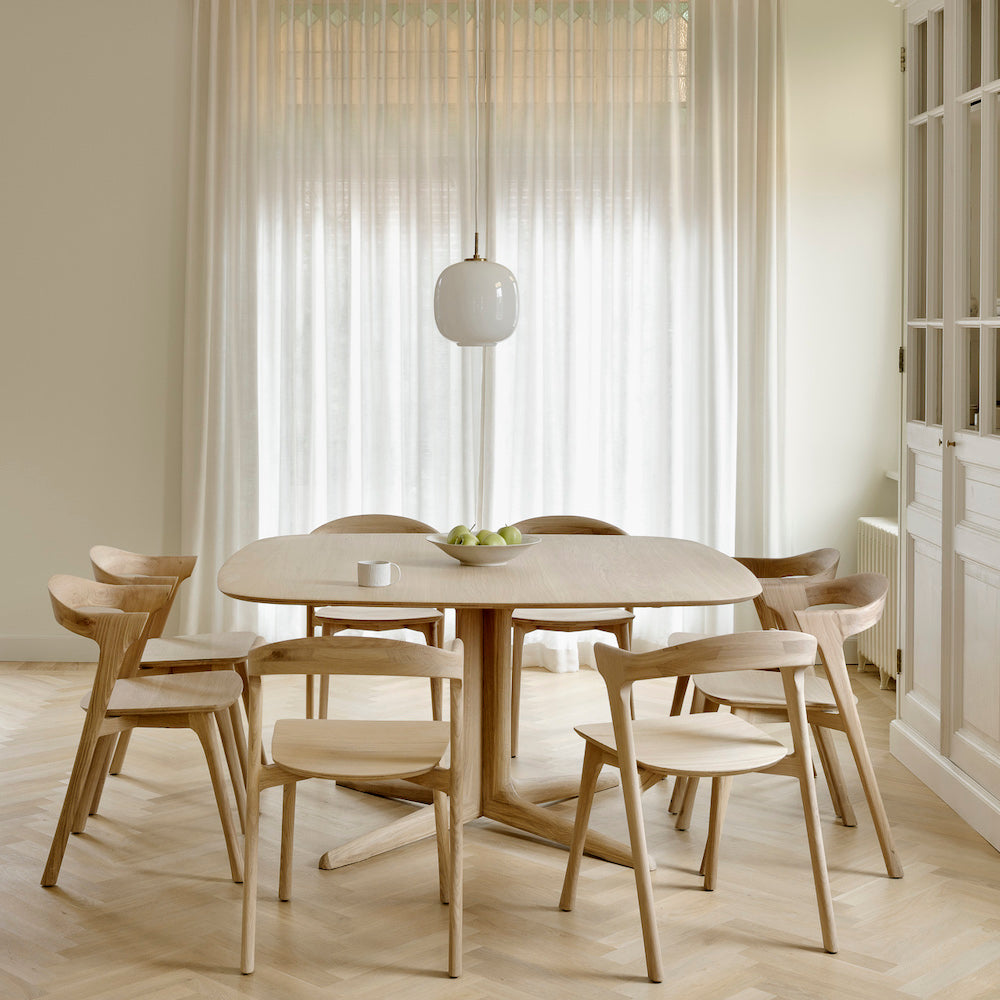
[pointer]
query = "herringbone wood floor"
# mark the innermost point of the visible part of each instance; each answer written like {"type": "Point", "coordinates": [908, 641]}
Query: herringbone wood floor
{"type": "Point", "coordinates": [145, 908]}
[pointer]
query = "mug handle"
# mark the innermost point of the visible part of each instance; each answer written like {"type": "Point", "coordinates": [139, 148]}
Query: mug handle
{"type": "Point", "coordinates": [399, 573]}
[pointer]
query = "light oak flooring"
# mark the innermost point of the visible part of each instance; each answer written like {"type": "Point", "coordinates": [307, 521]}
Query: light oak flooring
{"type": "Point", "coordinates": [145, 906]}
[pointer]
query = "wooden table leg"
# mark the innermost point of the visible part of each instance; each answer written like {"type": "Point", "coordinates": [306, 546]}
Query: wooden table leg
{"type": "Point", "coordinates": [490, 789]}
{"type": "Point", "coordinates": [418, 825]}
{"type": "Point", "coordinates": [502, 800]}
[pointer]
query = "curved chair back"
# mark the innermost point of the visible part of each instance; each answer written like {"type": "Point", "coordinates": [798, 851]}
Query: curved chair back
{"type": "Point", "coordinates": [119, 566]}
{"type": "Point", "coordinates": [116, 618]}
{"type": "Point", "coordinates": [374, 524]}
{"type": "Point", "coordinates": [567, 524]}
{"type": "Point", "coordinates": [820, 564]}
{"type": "Point", "coordinates": [806, 605]}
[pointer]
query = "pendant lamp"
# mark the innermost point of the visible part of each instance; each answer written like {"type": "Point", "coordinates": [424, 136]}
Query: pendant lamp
{"type": "Point", "coordinates": [475, 300]}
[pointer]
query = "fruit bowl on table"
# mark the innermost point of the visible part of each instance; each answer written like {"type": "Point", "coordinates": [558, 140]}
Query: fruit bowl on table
{"type": "Point", "coordinates": [483, 555]}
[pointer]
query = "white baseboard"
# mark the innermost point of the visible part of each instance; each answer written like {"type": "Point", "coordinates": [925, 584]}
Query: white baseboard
{"type": "Point", "coordinates": [970, 800]}
{"type": "Point", "coordinates": [47, 648]}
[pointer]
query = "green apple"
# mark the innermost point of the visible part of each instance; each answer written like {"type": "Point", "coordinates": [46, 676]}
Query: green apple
{"type": "Point", "coordinates": [467, 539]}
{"type": "Point", "coordinates": [492, 538]}
{"type": "Point", "coordinates": [481, 535]}
{"type": "Point", "coordinates": [510, 534]}
{"type": "Point", "coordinates": [456, 533]}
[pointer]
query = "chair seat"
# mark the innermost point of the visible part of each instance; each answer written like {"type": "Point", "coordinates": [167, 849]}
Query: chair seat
{"type": "Point", "coordinates": [358, 748]}
{"type": "Point", "coordinates": [164, 694]}
{"type": "Point", "coordinates": [706, 744]}
{"type": "Point", "coordinates": [571, 618]}
{"type": "Point", "coordinates": [365, 616]}
{"type": "Point", "coordinates": [210, 648]}
{"type": "Point", "coordinates": [761, 690]}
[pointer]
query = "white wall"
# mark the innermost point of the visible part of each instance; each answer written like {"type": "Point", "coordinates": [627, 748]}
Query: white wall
{"type": "Point", "coordinates": [845, 116]}
{"type": "Point", "coordinates": [93, 161]}
{"type": "Point", "coordinates": [93, 126]}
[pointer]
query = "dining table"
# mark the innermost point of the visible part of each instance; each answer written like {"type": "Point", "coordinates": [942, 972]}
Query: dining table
{"type": "Point", "coordinates": [560, 571]}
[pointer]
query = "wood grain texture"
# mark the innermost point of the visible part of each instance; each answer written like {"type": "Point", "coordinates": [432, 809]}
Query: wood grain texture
{"type": "Point", "coordinates": [617, 621]}
{"type": "Point", "coordinates": [356, 748]}
{"type": "Point", "coordinates": [699, 745]}
{"type": "Point", "coordinates": [562, 571]}
{"type": "Point", "coordinates": [602, 569]}
{"type": "Point", "coordinates": [330, 620]}
{"type": "Point", "coordinates": [832, 611]}
{"type": "Point", "coordinates": [118, 618]}
{"type": "Point", "coordinates": [144, 897]}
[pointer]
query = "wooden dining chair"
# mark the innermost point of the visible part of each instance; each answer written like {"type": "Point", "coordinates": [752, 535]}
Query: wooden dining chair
{"type": "Point", "coordinates": [830, 700]}
{"type": "Point", "coordinates": [331, 620]}
{"type": "Point", "coordinates": [117, 618]}
{"type": "Point", "coordinates": [713, 745]}
{"type": "Point", "coordinates": [353, 750]}
{"type": "Point", "coordinates": [617, 621]}
{"type": "Point", "coordinates": [179, 653]}
{"type": "Point", "coordinates": [819, 564]}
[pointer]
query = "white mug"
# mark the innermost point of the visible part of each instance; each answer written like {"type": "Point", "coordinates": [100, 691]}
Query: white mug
{"type": "Point", "coordinates": [377, 573]}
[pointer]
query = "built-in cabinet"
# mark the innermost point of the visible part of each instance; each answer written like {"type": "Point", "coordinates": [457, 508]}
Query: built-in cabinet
{"type": "Point", "coordinates": [948, 721]}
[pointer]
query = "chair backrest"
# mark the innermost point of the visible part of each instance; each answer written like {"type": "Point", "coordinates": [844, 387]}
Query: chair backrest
{"type": "Point", "coordinates": [768, 650]}
{"type": "Point", "coordinates": [115, 617]}
{"type": "Point", "coordinates": [567, 524]}
{"type": "Point", "coordinates": [820, 564]}
{"type": "Point", "coordinates": [805, 605]}
{"type": "Point", "coordinates": [357, 656]}
{"type": "Point", "coordinates": [374, 524]}
{"type": "Point", "coordinates": [119, 566]}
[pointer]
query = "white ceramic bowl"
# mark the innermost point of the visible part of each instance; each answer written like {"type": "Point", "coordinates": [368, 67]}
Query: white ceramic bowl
{"type": "Point", "coordinates": [483, 555]}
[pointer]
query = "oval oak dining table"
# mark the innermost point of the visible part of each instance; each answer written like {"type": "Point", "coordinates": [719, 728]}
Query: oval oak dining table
{"type": "Point", "coordinates": [571, 571]}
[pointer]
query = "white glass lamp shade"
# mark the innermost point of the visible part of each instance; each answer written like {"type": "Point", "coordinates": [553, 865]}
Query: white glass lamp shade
{"type": "Point", "coordinates": [475, 302]}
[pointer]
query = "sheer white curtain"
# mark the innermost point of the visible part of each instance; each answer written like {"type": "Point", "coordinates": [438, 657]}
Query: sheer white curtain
{"type": "Point", "coordinates": [631, 178]}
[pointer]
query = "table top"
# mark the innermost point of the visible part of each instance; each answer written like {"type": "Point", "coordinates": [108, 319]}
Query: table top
{"type": "Point", "coordinates": [570, 571]}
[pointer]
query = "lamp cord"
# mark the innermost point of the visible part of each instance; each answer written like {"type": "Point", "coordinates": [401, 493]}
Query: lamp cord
{"type": "Point", "coordinates": [475, 205]}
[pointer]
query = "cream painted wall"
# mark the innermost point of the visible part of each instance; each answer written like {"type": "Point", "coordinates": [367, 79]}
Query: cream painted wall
{"type": "Point", "coordinates": [844, 267]}
{"type": "Point", "coordinates": [93, 126]}
{"type": "Point", "coordinates": [93, 132]}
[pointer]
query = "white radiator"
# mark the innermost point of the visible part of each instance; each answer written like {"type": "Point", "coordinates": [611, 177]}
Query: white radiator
{"type": "Point", "coordinates": [878, 552]}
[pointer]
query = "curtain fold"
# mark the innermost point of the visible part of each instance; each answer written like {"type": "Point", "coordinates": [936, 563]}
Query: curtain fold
{"type": "Point", "coordinates": [631, 164]}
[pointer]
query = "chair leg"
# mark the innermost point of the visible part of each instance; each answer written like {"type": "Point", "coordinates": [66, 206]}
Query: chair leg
{"type": "Point", "coordinates": [810, 808]}
{"type": "Point", "coordinates": [250, 850]}
{"type": "Point", "coordinates": [432, 636]}
{"type": "Point", "coordinates": [324, 696]}
{"type": "Point", "coordinates": [443, 845]}
{"type": "Point", "coordinates": [91, 799]}
{"type": "Point", "coordinates": [236, 721]}
{"type": "Point", "coordinates": [121, 748]}
{"type": "Point", "coordinates": [834, 776]}
{"type": "Point", "coordinates": [640, 867]}
{"type": "Point", "coordinates": [720, 799]}
{"type": "Point", "coordinates": [869, 783]}
{"type": "Point", "coordinates": [241, 669]}
{"type": "Point", "coordinates": [236, 775]}
{"type": "Point", "coordinates": [287, 840]}
{"type": "Point", "coordinates": [209, 741]}
{"type": "Point", "coordinates": [679, 793]}
{"type": "Point", "coordinates": [593, 760]}
{"type": "Point", "coordinates": [680, 690]}
{"type": "Point", "coordinates": [689, 789]}
{"type": "Point", "coordinates": [517, 653]}
{"type": "Point", "coordinates": [310, 696]}
{"type": "Point", "coordinates": [456, 865]}
{"type": "Point", "coordinates": [74, 792]}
